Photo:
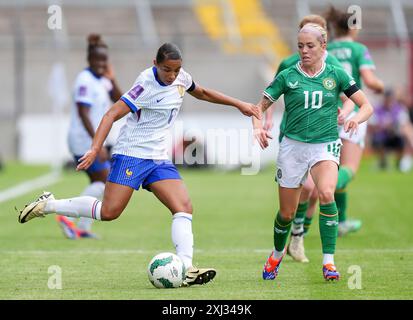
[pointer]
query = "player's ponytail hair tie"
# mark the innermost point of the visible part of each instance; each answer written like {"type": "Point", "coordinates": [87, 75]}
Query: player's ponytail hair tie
{"type": "Point", "coordinates": [317, 30]}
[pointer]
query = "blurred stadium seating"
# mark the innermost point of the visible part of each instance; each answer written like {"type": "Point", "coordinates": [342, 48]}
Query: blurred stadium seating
{"type": "Point", "coordinates": [231, 45]}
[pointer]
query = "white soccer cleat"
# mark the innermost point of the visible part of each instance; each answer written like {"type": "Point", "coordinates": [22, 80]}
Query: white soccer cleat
{"type": "Point", "coordinates": [406, 163]}
{"type": "Point", "coordinates": [296, 248]}
{"type": "Point", "coordinates": [35, 209]}
{"type": "Point", "coordinates": [198, 276]}
{"type": "Point", "coordinates": [350, 225]}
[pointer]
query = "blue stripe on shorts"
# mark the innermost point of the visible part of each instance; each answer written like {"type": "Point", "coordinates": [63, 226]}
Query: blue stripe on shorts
{"type": "Point", "coordinates": [134, 172]}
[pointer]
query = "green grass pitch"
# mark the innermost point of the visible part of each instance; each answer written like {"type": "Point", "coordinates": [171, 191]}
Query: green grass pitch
{"type": "Point", "coordinates": [233, 220]}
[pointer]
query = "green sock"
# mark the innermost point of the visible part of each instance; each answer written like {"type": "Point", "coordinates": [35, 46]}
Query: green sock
{"type": "Point", "coordinates": [298, 222]}
{"type": "Point", "coordinates": [341, 200]}
{"type": "Point", "coordinates": [328, 227]}
{"type": "Point", "coordinates": [281, 231]}
{"type": "Point", "coordinates": [307, 224]}
{"type": "Point", "coordinates": [344, 177]}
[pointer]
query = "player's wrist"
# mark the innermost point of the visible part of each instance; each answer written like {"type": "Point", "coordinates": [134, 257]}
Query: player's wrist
{"type": "Point", "coordinates": [95, 150]}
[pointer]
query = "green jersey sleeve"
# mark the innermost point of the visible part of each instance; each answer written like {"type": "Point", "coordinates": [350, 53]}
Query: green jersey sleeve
{"type": "Point", "coordinates": [276, 88]}
{"type": "Point", "coordinates": [346, 82]}
{"type": "Point", "coordinates": [364, 58]}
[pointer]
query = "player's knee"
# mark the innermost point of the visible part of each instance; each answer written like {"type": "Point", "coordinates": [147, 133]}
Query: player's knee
{"type": "Point", "coordinates": [182, 206]}
{"type": "Point", "coordinates": [110, 213]}
{"type": "Point", "coordinates": [287, 214]}
{"type": "Point", "coordinates": [326, 196]}
{"type": "Point", "coordinates": [305, 195]}
{"type": "Point", "coordinates": [187, 206]}
{"type": "Point", "coordinates": [314, 196]}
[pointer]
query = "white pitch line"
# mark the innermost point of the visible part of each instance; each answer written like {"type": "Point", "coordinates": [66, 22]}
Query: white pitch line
{"type": "Point", "coordinates": [25, 187]}
{"type": "Point", "coordinates": [209, 251]}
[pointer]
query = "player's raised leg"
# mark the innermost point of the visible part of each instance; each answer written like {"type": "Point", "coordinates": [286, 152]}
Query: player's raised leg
{"type": "Point", "coordinates": [324, 174]}
{"type": "Point", "coordinates": [95, 189]}
{"type": "Point", "coordinates": [115, 199]}
{"type": "Point", "coordinates": [174, 195]}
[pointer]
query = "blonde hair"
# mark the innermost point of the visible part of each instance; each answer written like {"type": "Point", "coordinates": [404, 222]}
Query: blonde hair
{"type": "Point", "coordinates": [313, 18]}
{"type": "Point", "coordinates": [315, 29]}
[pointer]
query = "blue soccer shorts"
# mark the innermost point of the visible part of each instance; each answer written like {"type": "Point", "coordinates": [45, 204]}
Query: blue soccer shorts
{"type": "Point", "coordinates": [134, 172]}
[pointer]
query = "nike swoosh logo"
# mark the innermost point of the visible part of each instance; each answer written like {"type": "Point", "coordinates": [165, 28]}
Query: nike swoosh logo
{"type": "Point", "coordinates": [159, 100]}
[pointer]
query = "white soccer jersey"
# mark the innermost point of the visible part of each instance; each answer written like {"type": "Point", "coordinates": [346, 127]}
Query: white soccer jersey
{"type": "Point", "coordinates": [93, 91]}
{"type": "Point", "coordinates": [154, 108]}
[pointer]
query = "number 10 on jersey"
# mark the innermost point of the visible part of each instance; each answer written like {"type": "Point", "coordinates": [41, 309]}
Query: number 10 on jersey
{"type": "Point", "coordinates": [316, 99]}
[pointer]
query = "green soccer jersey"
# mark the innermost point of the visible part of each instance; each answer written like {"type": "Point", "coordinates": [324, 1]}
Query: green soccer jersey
{"type": "Point", "coordinates": [291, 61]}
{"type": "Point", "coordinates": [353, 57]}
{"type": "Point", "coordinates": [311, 101]}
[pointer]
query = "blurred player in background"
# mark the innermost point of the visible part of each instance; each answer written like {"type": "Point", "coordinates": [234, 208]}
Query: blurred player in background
{"type": "Point", "coordinates": [391, 129]}
{"type": "Point", "coordinates": [356, 60]}
{"type": "Point", "coordinates": [310, 141]}
{"type": "Point", "coordinates": [94, 91]}
{"type": "Point", "coordinates": [140, 154]}
{"type": "Point", "coordinates": [296, 246]}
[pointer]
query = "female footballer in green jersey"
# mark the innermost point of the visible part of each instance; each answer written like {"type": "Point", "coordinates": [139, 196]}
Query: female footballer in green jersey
{"type": "Point", "coordinates": [310, 143]}
{"type": "Point", "coordinates": [356, 60]}
{"type": "Point", "coordinates": [296, 246]}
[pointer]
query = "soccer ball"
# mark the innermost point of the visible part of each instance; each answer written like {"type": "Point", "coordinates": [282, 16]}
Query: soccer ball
{"type": "Point", "coordinates": [166, 270]}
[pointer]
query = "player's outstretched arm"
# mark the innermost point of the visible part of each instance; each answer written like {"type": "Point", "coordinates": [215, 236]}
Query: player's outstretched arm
{"type": "Point", "coordinates": [269, 121]}
{"type": "Point", "coordinates": [371, 81]}
{"type": "Point", "coordinates": [213, 96]}
{"type": "Point", "coordinates": [117, 111]}
{"type": "Point", "coordinates": [261, 134]}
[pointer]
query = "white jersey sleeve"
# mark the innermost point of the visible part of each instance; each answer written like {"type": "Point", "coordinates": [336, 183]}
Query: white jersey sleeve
{"type": "Point", "coordinates": [83, 91]}
{"type": "Point", "coordinates": [133, 97]}
{"type": "Point", "coordinates": [187, 81]}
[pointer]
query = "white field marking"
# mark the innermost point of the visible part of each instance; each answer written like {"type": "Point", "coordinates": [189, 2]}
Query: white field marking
{"type": "Point", "coordinates": [209, 251]}
{"type": "Point", "coordinates": [25, 187]}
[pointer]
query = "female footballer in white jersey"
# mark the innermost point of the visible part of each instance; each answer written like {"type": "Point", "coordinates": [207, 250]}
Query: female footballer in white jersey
{"type": "Point", "coordinates": [94, 91]}
{"type": "Point", "coordinates": [140, 154]}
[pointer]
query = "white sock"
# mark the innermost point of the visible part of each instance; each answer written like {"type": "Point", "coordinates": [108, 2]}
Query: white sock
{"type": "Point", "coordinates": [277, 254]}
{"type": "Point", "coordinates": [95, 190]}
{"type": "Point", "coordinates": [87, 207]}
{"type": "Point", "coordinates": [182, 237]}
{"type": "Point", "coordinates": [297, 226]}
{"type": "Point", "coordinates": [328, 258]}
